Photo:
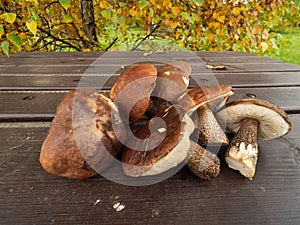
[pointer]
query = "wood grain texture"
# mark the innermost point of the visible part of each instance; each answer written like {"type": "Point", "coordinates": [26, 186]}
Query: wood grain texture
{"type": "Point", "coordinates": [29, 195]}
{"type": "Point", "coordinates": [42, 104]}
{"type": "Point", "coordinates": [32, 85]}
{"type": "Point", "coordinates": [71, 81]}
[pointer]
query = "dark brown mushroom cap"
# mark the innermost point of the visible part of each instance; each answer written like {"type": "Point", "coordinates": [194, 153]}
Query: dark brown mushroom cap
{"type": "Point", "coordinates": [273, 121]}
{"type": "Point", "coordinates": [173, 80]}
{"type": "Point", "coordinates": [200, 95]}
{"type": "Point", "coordinates": [145, 158]}
{"type": "Point", "coordinates": [73, 142]}
{"type": "Point", "coordinates": [141, 80]}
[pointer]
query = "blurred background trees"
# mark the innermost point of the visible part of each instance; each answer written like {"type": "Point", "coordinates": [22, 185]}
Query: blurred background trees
{"type": "Point", "coordinates": [93, 25]}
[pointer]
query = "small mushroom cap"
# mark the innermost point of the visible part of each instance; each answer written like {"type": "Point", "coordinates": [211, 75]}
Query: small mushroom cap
{"type": "Point", "coordinates": [145, 160]}
{"type": "Point", "coordinates": [214, 95]}
{"type": "Point", "coordinates": [173, 80]}
{"type": "Point", "coordinates": [140, 82]}
{"type": "Point", "coordinates": [273, 121]}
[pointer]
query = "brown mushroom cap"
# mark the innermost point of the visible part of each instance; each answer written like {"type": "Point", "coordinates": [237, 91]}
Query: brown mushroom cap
{"type": "Point", "coordinates": [273, 121]}
{"type": "Point", "coordinates": [77, 138]}
{"type": "Point", "coordinates": [170, 151]}
{"type": "Point", "coordinates": [216, 95]}
{"type": "Point", "coordinates": [173, 80]}
{"type": "Point", "coordinates": [140, 80]}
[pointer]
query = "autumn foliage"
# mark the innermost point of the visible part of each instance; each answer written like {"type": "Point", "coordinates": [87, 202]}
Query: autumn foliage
{"type": "Point", "coordinates": [60, 25]}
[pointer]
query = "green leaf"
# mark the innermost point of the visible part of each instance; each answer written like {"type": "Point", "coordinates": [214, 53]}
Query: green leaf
{"type": "Point", "coordinates": [143, 3]}
{"type": "Point", "coordinates": [15, 39]}
{"type": "Point", "coordinates": [9, 17]}
{"type": "Point", "coordinates": [5, 47]}
{"type": "Point", "coordinates": [121, 21]}
{"type": "Point", "coordinates": [32, 26]}
{"type": "Point", "coordinates": [68, 18]}
{"type": "Point", "coordinates": [34, 14]}
{"type": "Point", "coordinates": [106, 13]}
{"type": "Point", "coordinates": [198, 2]}
{"type": "Point", "coordinates": [65, 3]}
{"type": "Point", "coordinates": [1, 30]}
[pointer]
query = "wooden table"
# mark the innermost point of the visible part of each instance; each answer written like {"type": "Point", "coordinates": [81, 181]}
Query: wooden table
{"type": "Point", "coordinates": [31, 86]}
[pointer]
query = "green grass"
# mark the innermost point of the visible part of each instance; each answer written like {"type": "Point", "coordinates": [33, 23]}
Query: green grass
{"type": "Point", "coordinates": [289, 50]}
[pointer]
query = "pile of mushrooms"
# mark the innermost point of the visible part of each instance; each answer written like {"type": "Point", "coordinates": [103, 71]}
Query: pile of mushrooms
{"type": "Point", "coordinates": [164, 114]}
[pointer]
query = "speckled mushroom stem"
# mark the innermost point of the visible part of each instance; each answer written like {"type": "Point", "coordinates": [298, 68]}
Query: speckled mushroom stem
{"type": "Point", "coordinates": [210, 131]}
{"type": "Point", "coordinates": [243, 150]}
{"type": "Point", "coordinates": [203, 163]}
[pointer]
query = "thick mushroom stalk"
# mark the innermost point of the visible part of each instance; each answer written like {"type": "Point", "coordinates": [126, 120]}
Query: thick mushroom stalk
{"type": "Point", "coordinates": [203, 163]}
{"type": "Point", "coordinates": [243, 150]}
{"type": "Point", "coordinates": [210, 131]}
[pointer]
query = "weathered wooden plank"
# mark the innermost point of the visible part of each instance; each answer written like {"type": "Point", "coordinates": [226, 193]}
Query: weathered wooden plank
{"type": "Point", "coordinates": [199, 67]}
{"type": "Point", "coordinates": [70, 81]}
{"type": "Point", "coordinates": [31, 196]}
{"type": "Point", "coordinates": [35, 104]}
{"type": "Point", "coordinates": [116, 54]}
{"type": "Point", "coordinates": [285, 97]}
{"type": "Point", "coordinates": [102, 59]}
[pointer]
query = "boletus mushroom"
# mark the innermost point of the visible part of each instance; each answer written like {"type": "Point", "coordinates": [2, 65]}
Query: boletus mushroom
{"type": "Point", "coordinates": [77, 138]}
{"type": "Point", "coordinates": [165, 143]}
{"type": "Point", "coordinates": [132, 89]}
{"type": "Point", "coordinates": [202, 162]}
{"type": "Point", "coordinates": [202, 99]}
{"type": "Point", "coordinates": [172, 80]}
{"type": "Point", "coordinates": [251, 119]}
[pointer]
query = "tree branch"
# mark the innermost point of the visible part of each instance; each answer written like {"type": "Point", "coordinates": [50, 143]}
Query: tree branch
{"type": "Point", "coordinates": [111, 44]}
{"type": "Point", "coordinates": [147, 36]}
{"type": "Point", "coordinates": [60, 40]}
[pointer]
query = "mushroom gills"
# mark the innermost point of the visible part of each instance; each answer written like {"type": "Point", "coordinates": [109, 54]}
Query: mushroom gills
{"type": "Point", "coordinates": [242, 152]}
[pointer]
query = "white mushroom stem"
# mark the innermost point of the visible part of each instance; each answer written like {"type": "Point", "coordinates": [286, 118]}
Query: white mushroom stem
{"type": "Point", "coordinates": [243, 150]}
{"type": "Point", "coordinates": [210, 131]}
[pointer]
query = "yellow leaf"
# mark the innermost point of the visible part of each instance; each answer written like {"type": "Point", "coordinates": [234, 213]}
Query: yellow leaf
{"type": "Point", "coordinates": [215, 15]}
{"type": "Point", "coordinates": [68, 18]}
{"type": "Point", "coordinates": [216, 25]}
{"type": "Point", "coordinates": [293, 11]}
{"type": "Point", "coordinates": [255, 30]}
{"type": "Point", "coordinates": [132, 12]}
{"type": "Point", "coordinates": [9, 17]}
{"type": "Point", "coordinates": [22, 36]}
{"type": "Point", "coordinates": [32, 26]}
{"type": "Point", "coordinates": [27, 48]}
{"type": "Point", "coordinates": [153, 2]}
{"type": "Point", "coordinates": [36, 2]}
{"type": "Point", "coordinates": [103, 4]}
{"type": "Point", "coordinates": [236, 10]}
{"type": "Point", "coordinates": [211, 36]}
{"type": "Point", "coordinates": [264, 35]}
{"type": "Point", "coordinates": [86, 50]}
{"type": "Point", "coordinates": [181, 43]}
{"type": "Point", "coordinates": [221, 19]}
{"type": "Point", "coordinates": [1, 30]}
{"type": "Point", "coordinates": [264, 46]}
{"type": "Point", "coordinates": [175, 10]}
{"type": "Point", "coordinates": [174, 24]}
{"type": "Point", "coordinates": [119, 11]}
{"type": "Point", "coordinates": [211, 24]}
